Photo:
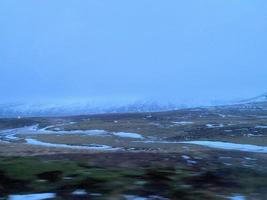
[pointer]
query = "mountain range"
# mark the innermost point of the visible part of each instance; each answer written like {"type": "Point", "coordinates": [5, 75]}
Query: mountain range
{"type": "Point", "coordinates": [83, 108]}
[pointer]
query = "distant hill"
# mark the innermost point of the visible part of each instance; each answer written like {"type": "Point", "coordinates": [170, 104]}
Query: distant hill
{"type": "Point", "coordinates": [260, 98]}
{"type": "Point", "coordinates": [43, 110]}
{"type": "Point", "coordinates": [85, 108]}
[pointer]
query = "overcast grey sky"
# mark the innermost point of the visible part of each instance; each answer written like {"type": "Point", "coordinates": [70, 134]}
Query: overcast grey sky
{"type": "Point", "coordinates": [170, 50]}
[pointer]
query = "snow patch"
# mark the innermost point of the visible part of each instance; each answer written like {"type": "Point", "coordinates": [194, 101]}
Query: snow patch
{"type": "Point", "coordinates": [11, 137]}
{"type": "Point", "coordinates": [214, 125]}
{"type": "Point", "coordinates": [128, 135]}
{"type": "Point", "coordinates": [218, 145]}
{"type": "Point", "coordinates": [253, 135]}
{"type": "Point", "coordinates": [84, 132]}
{"type": "Point", "coordinates": [230, 146]}
{"type": "Point", "coordinates": [79, 192]}
{"type": "Point", "coordinates": [262, 127]}
{"type": "Point", "coordinates": [133, 197]}
{"type": "Point", "coordinates": [32, 196]}
{"type": "Point", "coordinates": [237, 197]}
{"type": "Point", "coordinates": [222, 115]}
{"type": "Point", "coordinates": [90, 147]}
{"type": "Point", "coordinates": [248, 158]}
{"type": "Point", "coordinates": [185, 157]}
{"type": "Point", "coordinates": [183, 123]}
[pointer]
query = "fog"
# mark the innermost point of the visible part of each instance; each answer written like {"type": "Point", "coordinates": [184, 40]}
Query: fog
{"type": "Point", "coordinates": [168, 51]}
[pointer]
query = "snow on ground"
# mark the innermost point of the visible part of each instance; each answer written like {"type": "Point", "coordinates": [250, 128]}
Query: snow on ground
{"type": "Point", "coordinates": [11, 137]}
{"type": "Point", "coordinates": [10, 133]}
{"type": "Point", "coordinates": [19, 130]}
{"type": "Point", "coordinates": [237, 197]}
{"type": "Point", "coordinates": [84, 132]}
{"type": "Point", "coordinates": [132, 197]}
{"type": "Point", "coordinates": [230, 146]}
{"type": "Point", "coordinates": [253, 135]}
{"type": "Point", "coordinates": [93, 133]}
{"type": "Point", "coordinates": [154, 124]}
{"type": "Point", "coordinates": [217, 144]}
{"type": "Point", "coordinates": [89, 147]}
{"type": "Point", "coordinates": [185, 157]}
{"type": "Point", "coordinates": [214, 125]}
{"type": "Point", "coordinates": [32, 196]}
{"type": "Point", "coordinates": [222, 115]}
{"type": "Point", "coordinates": [188, 159]}
{"type": "Point", "coordinates": [263, 127]}
{"type": "Point", "coordinates": [79, 192]}
{"type": "Point", "coordinates": [35, 130]}
{"type": "Point", "coordinates": [248, 158]}
{"type": "Point", "coordinates": [155, 141]}
{"type": "Point", "coordinates": [183, 123]}
{"type": "Point", "coordinates": [128, 135]}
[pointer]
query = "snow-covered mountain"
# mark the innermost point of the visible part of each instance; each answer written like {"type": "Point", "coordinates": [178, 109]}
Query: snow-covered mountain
{"type": "Point", "coordinates": [85, 107]}
{"type": "Point", "coordinates": [79, 108]}
{"type": "Point", "coordinates": [258, 99]}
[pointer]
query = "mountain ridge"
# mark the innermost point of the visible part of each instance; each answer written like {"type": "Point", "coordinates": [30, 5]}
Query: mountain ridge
{"type": "Point", "coordinates": [83, 108]}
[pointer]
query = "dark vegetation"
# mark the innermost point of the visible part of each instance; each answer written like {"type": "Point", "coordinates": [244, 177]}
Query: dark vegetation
{"type": "Point", "coordinates": [33, 175]}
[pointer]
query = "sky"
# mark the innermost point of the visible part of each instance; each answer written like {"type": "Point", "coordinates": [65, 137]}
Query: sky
{"type": "Point", "coordinates": [172, 51]}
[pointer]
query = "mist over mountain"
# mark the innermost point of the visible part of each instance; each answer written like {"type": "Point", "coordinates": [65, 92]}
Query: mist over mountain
{"type": "Point", "coordinates": [99, 106]}
{"type": "Point", "coordinates": [29, 110]}
{"type": "Point", "coordinates": [96, 105]}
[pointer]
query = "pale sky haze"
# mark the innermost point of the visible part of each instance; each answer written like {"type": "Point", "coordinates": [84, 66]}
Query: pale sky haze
{"type": "Point", "coordinates": [172, 50]}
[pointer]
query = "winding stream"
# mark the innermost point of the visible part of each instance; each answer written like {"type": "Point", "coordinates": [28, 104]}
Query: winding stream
{"type": "Point", "coordinates": [11, 136]}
